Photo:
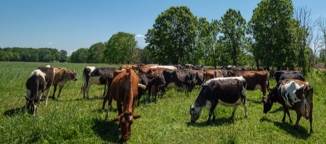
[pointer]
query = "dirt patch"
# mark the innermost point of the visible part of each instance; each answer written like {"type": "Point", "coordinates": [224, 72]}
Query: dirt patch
{"type": "Point", "coordinates": [319, 66]}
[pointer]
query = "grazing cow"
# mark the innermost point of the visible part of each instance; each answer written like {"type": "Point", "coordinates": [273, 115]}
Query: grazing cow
{"type": "Point", "coordinates": [180, 78]}
{"type": "Point", "coordinates": [199, 76]}
{"type": "Point", "coordinates": [95, 75]}
{"type": "Point", "coordinates": [227, 73]}
{"type": "Point", "coordinates": [145, 70]}
{"type": "Point", "coordinates": [255, 80]}
{"type": "Point", "coordinates": [293, 94]}
{"type": "Point", "coordinates": [149, 80]}
{"type": "Point", "coordinates": [209, 74]}
{"type": "Point", "coordinates": [124, 90]}
{"type": "Point", "coordinates": [228, 92]}
{"type": "Point", "coordinates": [35, 87]}
{"type": "Point", "coordinates": [165, 67]}
{"type": "Point", "coordinates": [49, 79]}
{"type": "Point", "coordinates": [62, 75]}
{"type": "Point", "coordinates": [200, 67]}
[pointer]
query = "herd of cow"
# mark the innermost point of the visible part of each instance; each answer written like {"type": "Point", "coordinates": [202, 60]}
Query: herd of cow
{"type": "Point", "coordinates": [226, 86]}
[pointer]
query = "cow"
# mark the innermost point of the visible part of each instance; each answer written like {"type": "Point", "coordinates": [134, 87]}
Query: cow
{"type": "Point", "coordinates": [188, 66]}
{"type": "Point", "coordinates": [200, 67]}
{"type": "Point", "coordinates": [178, 66]}
{"type": "Point", "coordinates": [199, 76]}
{"type": "Point", "coordinates": [180, 78]}
{"type": "Point", "coordinates": [209, 74]}
{"type": "Point", "coordinates": [165, 67]}
{"type": "Point", "coordinates": [230, 91]}
{"type": "Point", "coordinates": [49, 79]}
{"type": "Point", "coordinates": [149, 65]}
{"type": "Point", "coordinates": [62, 75]}
{"type": "Point", "coordinates": [255, 80]}
{"type": "Point", "coordinates": [124, 90]}
{"type": "Point", "coordinates": [149, 80]}
{"type": "Point", "coordinates": [285, 74]}
{"type": "Point", "coordinates": [35, 87]}
{"type": "Point", "coordinates": [95, 75]}
{"type": "Point", "coordinates": [227, 73]}
{"type": "Point", "coordinates": [125, 67]}
{"type": "Point", "coordinates": [293, 94]}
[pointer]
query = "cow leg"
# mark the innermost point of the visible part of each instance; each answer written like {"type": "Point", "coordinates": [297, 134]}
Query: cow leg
{"type": "Point", "coordinates": [28, 93]}
{"type": "Point", "coordinates": [109, 106]}
{"type": "Point", "coordinates": [87, 90]}
{"type": "Point", "coordinates": [310, 117]}
{"type": "Point", "coordinates": [47, 96]}
{"type": "Point", "coordinates": [211, 111]}
{"type": "Point", "coordinates": [59, 91]}
{"type": "Point", "coordinates": [234, 109]}
{"type": "Point", "coordinates": [287, 111]}
{"type": "Point", "coordinates": [54, 90]}
{"type": "Point", "coordinates": [105, 91]}
{"type": "Point", "coordinates": [214, 115]}
{"type": "Point", "coordinates": [245, 107]}
{"type": "Point", "coordinates": [35, 109]}
{"type": "Point", "coordinates": [298, 119]}
{"type": "Point", "coordinates": [104, 101]}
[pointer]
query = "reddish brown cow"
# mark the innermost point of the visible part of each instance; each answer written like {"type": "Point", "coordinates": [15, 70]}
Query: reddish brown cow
{"type": "Point", "coordinates": [124, 90]}
{"type": "Point", "coordinates": [209, 74]}
{"type": "Point", "coordinates": [62, 75]}
{"type": "Point", "coordinates": [255, 80]}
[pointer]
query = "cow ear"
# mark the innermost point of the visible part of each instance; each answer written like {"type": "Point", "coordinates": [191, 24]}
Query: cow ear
{"type": "Point", "coordinates": [136, 116]}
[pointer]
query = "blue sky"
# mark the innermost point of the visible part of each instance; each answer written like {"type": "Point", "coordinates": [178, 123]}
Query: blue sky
{"type": "Point", "coordinates": [74, 24]}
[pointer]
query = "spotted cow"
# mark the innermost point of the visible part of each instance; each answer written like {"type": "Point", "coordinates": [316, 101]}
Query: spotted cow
{"type": "Point", "coordinates": [229, 92]}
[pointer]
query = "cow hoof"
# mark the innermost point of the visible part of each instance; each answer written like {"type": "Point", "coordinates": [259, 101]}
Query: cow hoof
{"type": "Point", "coordinates": [231, 117]}
{"type": "Point", "coordinates": [245, 116]}
{"type": "Point", "coordinates": [311, 131]}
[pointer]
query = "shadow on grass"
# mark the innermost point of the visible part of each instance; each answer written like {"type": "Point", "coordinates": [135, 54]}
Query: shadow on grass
{"type": "Point", "coordinates": [107, 130]}
{"type": "Point", "coordinates": [78, 99]}
{"type": "Point", "coordinates": [255, 101]}
{"type": "Point", "coordinates": [277, 110]}
{"type": "Point", "coordinates": [105, 110]}
{"type": "Point", "coordinates": [14, 111]}
{"type": "Point", "coordinates": [289, 128]}
{"type": "Point", "coordinates": [217, 122]}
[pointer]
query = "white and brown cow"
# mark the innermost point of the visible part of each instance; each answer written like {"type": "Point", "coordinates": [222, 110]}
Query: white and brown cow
{"type": "Point", "coordinates": [61, 77]}
{"type": "Point", "coordinates": [96, 75]}
{"type": "Point", "coordinates": [49, 79]}
{"type": "Point", "coordinates": [35, 87]}
{"type": "Point", "coordinates": [293, 94]}
{"type": "Point", "coordinates": [229, 92]}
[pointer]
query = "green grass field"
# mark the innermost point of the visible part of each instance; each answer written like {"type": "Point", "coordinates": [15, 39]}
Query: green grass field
{"type": "Point", "coordinates": [72, 119]}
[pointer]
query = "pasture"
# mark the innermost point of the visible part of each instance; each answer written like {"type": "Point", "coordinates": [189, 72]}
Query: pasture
{"type": "Point", "coordinates": [72, 119]}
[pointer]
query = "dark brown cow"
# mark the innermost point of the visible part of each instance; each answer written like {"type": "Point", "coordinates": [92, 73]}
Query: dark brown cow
{"type": "Point", "coordinates": [255, 80]}
{"type": "Point", "coordinates": [124, 90]}
{"type": "Point", "coordinates": [62, 75]}
{"type": "Point", "coordinates": [293, 94]}
{"type": "Point", "coordinates": [49, 79]}
{"type": "Point", "coordinates": [35, 87]}
{"type": "Point", "coordinates": [209, 74]}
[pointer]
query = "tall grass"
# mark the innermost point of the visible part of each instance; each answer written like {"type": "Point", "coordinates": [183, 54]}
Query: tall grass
{"type": "Point", "coordinates": [72, 119]}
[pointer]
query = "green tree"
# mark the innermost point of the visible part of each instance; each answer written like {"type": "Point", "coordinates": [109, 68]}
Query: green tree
{"type": "Point", "coordinates": [233, 28]}
{"type": "Point", "coordinates": [271, 26]}
{"type": "Point", "coordinates": [79, 56]}
{"type": "Point", "coordinates": [95, 53]}
{"type": "Point", "coordinates": [63, 55]}
{"type": "Point", "coordinates": [120, 48]}
{"type": "Point", "coordinates": [173, 35]}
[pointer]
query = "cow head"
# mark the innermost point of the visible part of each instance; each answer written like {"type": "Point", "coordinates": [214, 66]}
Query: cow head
{"type": "Point", "coordinates": [125, 121]}
{"type": "Point", "coordinates": [195, 112]}
{"type": "Point", "coordinates": [269, 100]}
{"type": "Point", "coordinates": [72, 75]}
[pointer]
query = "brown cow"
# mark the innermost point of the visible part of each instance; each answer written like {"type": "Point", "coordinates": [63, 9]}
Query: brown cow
{"type": "Point", "coordinates": [49, 79]}
{"type": "Point", "coordinates": [150, 65]}
{"type": "Point", "coordinates": [255, 80]}
{"type": "Point", "coordinates": [209, 74]}
{"type": "Point", "coordinates": [124, 90]}
{"type": "Point", "coordinates": [293, 94]}
{"type": "Point", "coordinates": [62, 75]}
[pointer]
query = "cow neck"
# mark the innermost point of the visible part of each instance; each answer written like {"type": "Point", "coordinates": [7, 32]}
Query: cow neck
{"type": "Point", "coordinates": [200, 101]}
{"type": "Point", "coordinates": [128, 101]}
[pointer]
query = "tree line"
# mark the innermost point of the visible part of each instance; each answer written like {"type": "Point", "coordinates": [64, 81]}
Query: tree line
{"type": "Point", "coordinates": [32, 54]}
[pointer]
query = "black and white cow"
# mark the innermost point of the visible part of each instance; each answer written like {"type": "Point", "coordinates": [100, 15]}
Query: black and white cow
{"type": "Point", "coordinates": [293, 94]}
{"type": "Point", "coordinates": [284, 74]}
{"type": "Point", "coordinates": [149, 80]}
{"type": "Point", "coordinates": [35, 87]}
{"type": "Point", "coordinates": [228, 92]}
{"type": "Point", "coordinates": [180, 78]}
{"type": "Point", "coordinates": [96, 75]}
{"type": "Point", "coordinates": [49, 79]}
